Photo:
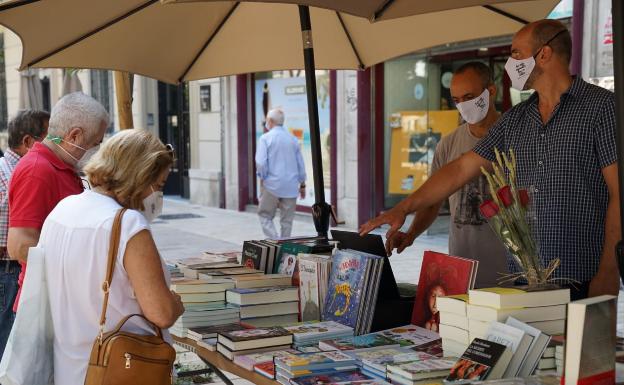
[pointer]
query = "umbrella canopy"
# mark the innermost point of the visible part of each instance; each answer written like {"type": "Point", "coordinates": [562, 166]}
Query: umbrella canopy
{"type": "Point", "coordinates": [31, 92]}
{"type": "Point", "coordinates": [195, 40]}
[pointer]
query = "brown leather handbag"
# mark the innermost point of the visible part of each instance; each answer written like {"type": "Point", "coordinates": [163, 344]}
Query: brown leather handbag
{"type": "Point", "coordinates": [122, 358]}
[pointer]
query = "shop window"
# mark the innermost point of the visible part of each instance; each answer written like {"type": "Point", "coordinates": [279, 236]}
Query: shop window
{"type": "Point", "coordinates": [287, 90]}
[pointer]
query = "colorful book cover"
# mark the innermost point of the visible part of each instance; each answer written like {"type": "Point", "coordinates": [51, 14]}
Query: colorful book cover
{"type": "Point", "coordinates": [316, 330]}
{"type": "Point", "coordinates": [410, 335]}
{"type": "Point", "coordinates": [345, 288]}
{"type": "Point", "coordinates": [420, 368]}
{"type": "Point", "coordinates": [266, 368]}
{"type": "Point", "coordinates": [309, 290]}
{"type": "Point", "coordinates": [365, 341]}
{"type": "Point", "coordinates": [254, 334]}
{"type": "Point", "coordinates": [351, 375]}
{"type": "Point", "coordinates": [433, 348]}
{"type": "Point", "coordinates": [477, 362]}
{"type": "Point", "coordinates": [287, 258]}
{"type": "Point", "coordinates": [208, 331]}
{"type": "Point", "coordinates": [378, 359]}
{"type": "Point", "coordinates": [440, 275]}
{"type": "Point", "coordinates": [311, 360]}
{"type": "Point", "coordinates": [253, 254]}
{"type": "Point", "coordinates": [405, 358]}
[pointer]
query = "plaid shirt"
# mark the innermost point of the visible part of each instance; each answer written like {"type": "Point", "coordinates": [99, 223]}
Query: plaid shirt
{"type": "Point", "coordinates": [7, 165]}
{"type": "Point", "coordinates": [561, 163]}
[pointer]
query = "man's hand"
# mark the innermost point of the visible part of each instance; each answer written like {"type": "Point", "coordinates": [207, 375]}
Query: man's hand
{"type": "Point", "coordinates": [394, 217]}
{"type": "Point", "coordinates": [399, 241]}
{"type": "Point", "coordinates": [302, 192]}
{"type": "Point", "coordinates": [606, 281]}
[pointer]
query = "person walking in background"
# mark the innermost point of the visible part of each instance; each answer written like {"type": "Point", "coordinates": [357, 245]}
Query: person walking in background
{"type": "Point", "coordinates": [280, 167]}
{"type": "Point", "coordinates": [27, 128]}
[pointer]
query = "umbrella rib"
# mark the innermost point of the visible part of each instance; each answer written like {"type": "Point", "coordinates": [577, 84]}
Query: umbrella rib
{"type": "Point", "coordinates": [93, 32]}
{"type": "Point", "coordinates": [346, 31]}
{"type": "Point", "coordinates": [15, 4]}
{"type": "Point", "coordinates": [379, 13]}
{"type": "Point", "coordinates": [506, 14]}
{"type": "Point", "coordinates": [210, 39]}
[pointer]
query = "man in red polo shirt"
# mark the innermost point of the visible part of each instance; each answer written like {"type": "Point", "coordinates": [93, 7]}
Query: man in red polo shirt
{"type": "Point", "coordinates": [49, 172]}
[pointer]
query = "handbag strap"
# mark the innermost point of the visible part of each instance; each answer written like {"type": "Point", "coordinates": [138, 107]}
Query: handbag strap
{"type": "Point", "coordinates": [110, 268]}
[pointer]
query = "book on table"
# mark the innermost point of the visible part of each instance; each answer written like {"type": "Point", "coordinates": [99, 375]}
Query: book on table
{"type": "Point", "coordinates": [189, 286]}
{"type": "Point", "coordinates": [248, 361]}
{"type": "Point", "coordinates": [366, 341]}
{"type": "Point", "coordinates": [209, 344]}
{"type": "Point", "coordinates": [227, 273]}
{"type": "Point", "coordinates": [316, 331]}
{"type": "Point", "coordinates": [590, 343]}
{"type": "Point", "coordinates": [352, 292]}
{"type": "Point", "coordinates": [482, 360]}
{"type": "Point", "coordinates": [524, 314]}
{"type": "Point", "coordinates": [295, 363]}
{"type": "Point", "coordinates": [264, 280]}
{"type": "Point", "coordinates": [536, 350]}
{"type": "Point", "coordinates": [202, 297]}
{"type": "Point", "coordinates": [410, 335]}
{"type": "Point", "coordinates": [194, 271]}
{"type": "Point", "coordinates": [232, 354]}
{"type": "Point", "coordinates": [254, 255]}
{"type": "Point", "coordinates": [454, 333]}
{"type": "Point", "coordinates": [269, 309]}
{"type": "Point", "coordinates": [212, 331]}
{"type": "Point", "coordinates": [440, 275]}
{"type": "Point", "coordinates": [453, 304]}
{"type": "Point", "coordinates": [329, 378]}
{"type": "Point", "coordinates": [516, 339]}
{"type": "Point", "coordinates": [518, 297]}
{"type": "Point", "coordinates": [379, 358]}
{"type": "Point", "coordinates": [255, 338]}
{"type": "Point", "coordinates": [452, 319]}
{"type": "Point", "coordinates": [421, 370]}
{"type": "Point", "coordinates": [260, 296]}
{"type": "Point", "coordinates": [275, 320]}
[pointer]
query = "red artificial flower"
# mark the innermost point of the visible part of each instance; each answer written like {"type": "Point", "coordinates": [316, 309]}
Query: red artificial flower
{"type": "Point", "coordinates": [504, 194]}
{"type": "Point", "coordinates": [523, 195]}
{"type": "Point", "coordinates": [489, 209]}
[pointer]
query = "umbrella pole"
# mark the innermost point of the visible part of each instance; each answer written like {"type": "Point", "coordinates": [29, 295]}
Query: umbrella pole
{"type": "Point", "coordinates": [320, 210]}
{"type": "Point", "coordinates": [617, 12]}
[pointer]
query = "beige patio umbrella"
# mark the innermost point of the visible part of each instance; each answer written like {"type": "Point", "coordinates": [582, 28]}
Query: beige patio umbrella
{"type": "Point", "coordinates": [194, 39]}
{"type": "Point", "coordinates": [189, 41]}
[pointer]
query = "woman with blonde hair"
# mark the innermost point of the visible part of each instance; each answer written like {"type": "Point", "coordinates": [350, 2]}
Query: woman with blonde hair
{"type": "Point", "coordinates": [129, 170]}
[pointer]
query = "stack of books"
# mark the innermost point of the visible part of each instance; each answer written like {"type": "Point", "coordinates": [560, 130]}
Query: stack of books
{"type": "Point", "coordinates": [454, 324]}
{"type": "Point", "coordinates": [260, 255]}
{"type": "Point", "coordinates": [353, 288]}
{"type": "Point", "coordinates": [249, 341]}
{"type": "Point", "coordinates": [545, 311]}
{"type": "Point", "coordinates": [483, 360]}
{"type": "Point", "coordinates": [373, 362]}
{"type": "Point", "coordinates": [410, 336]}
{"type": "Point", "coordinates": [425, 371]}
{"type": "Point", "coordinates": [229, 272]}
{"type": "Point", "coordinates": [250, 281]}
{"type": "Point", "coordinates": [349, 377]}
{"type": "Point", "coordinates": [206, 336]}
{"type": "Point", "coordinates": [263, 307]}
{"type": "Point", "coordinates": [204, 304]}
{"type": "Point", "coordinates": [314, 272]}
{"type": "Point", "coordinates": [291, 367]}
{"type": "Point", "coordinates": [311, 333]}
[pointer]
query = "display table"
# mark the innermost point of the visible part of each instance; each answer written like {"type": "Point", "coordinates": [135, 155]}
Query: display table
{"type": "Point", "coordinates": [218, 362]}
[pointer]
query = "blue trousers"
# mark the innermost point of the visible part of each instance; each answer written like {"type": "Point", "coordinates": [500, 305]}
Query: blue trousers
{"type": "Point", "coordinates": [9, 271]}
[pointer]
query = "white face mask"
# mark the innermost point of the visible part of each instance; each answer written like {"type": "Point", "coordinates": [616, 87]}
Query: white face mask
{"type": "Point", "coordinates": [473, 111]}
{"type": "Point", "coordinates": [153, 204]}
{"type": "Point", "coordinates": [87, 156]}
{"type": "Point", "coordinates": [519, 71]}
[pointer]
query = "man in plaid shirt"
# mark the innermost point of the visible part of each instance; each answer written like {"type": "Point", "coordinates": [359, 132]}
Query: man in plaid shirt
{"type": "Point", "coordinates": [28, 127]}
{"type": "Point", "coordinates": [564, 140]}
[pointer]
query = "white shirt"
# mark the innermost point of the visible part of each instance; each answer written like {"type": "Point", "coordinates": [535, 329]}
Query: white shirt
{"type": "Point", "coordinates": [75, 238]}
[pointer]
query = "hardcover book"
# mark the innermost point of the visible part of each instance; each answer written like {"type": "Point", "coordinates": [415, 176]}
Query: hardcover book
{"type": "Point", "coordinates": [482, 360]}
{"type": "Point", "coordinates": [254, 255]}
{"type": "Point", "coordinates": [309, 290]}
{"type": "Point", "coordinates": [440, 275]}
{"type": "Point", "coordinates": [366, 341]}
{"type": "Point", "coordinates": [318, 330]}
{"type": "Point", "coordinates": [255, 338]}
{"type": "Point", "coordinates": [409, 335]}
{"type": "Point", "coordinates": [259, 296]}
{"type": "Point", "coordinates": [345, 288]}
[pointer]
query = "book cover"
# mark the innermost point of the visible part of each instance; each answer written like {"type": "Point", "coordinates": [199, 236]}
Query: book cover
{"type": "Point", "coordinates": [351, 375]}
{"type": "Point", "coordinates": [212, 331]}
{"type": "Point", "coordinates": [433, 348]}
{"type": "Point", "coordinates": [254, 334]}
{"type": "Point", "coordinates": [345, 288]}
{"type": "Point", "coordinates": [309, 290]}
{"type": "Point", "coordinates": [410, 335]}
{"type": "Point", "coordinates": [287, 258]}
{"type": "Point", "coordinates": [366, 341]}
{"type": "Point", "coordinates": [440, 275]}
{"type": "Point", "coordinates": [401, 358]}
{"type": "Point", "coordinates": [313, 360]}
{"type": "Point", "coordinates": [316, 330]}
{"type": "Point", "coordinates": [423, 369]}
{"type": "Point", "coordinates": [379, 358]}
{"type": "Point", "coordinates": [266, 368]}
{"type": "Point", "coordinates": [479, 360]}
{"type": "Point", "coordinates": [253, 254]}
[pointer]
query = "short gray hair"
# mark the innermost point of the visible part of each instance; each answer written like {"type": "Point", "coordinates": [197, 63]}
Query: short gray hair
{"type": "Point", "coordinates": [277, 116]}
{"type": "Point", "coordinates": [77, 110]}
{"type": "Point", "coordinates": [27, 122]}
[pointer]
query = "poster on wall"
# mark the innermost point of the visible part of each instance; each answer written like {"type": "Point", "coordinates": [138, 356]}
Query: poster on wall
{"type": "Point", "coordinates": [289, 94]}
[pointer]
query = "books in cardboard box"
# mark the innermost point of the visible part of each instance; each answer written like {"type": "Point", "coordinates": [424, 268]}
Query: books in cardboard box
{"type": "Point", "coordinates": [482, 360]}
{"type": "Point", "coordinates": [255, 338]}
{"type": "Point", "coordinates": [440, 275]}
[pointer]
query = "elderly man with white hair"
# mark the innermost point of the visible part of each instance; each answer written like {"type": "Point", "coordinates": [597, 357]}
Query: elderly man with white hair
{"type": "Point", "coordinates": [49, 171]}
{"type": "Point", "coordinates": [280, 167]}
